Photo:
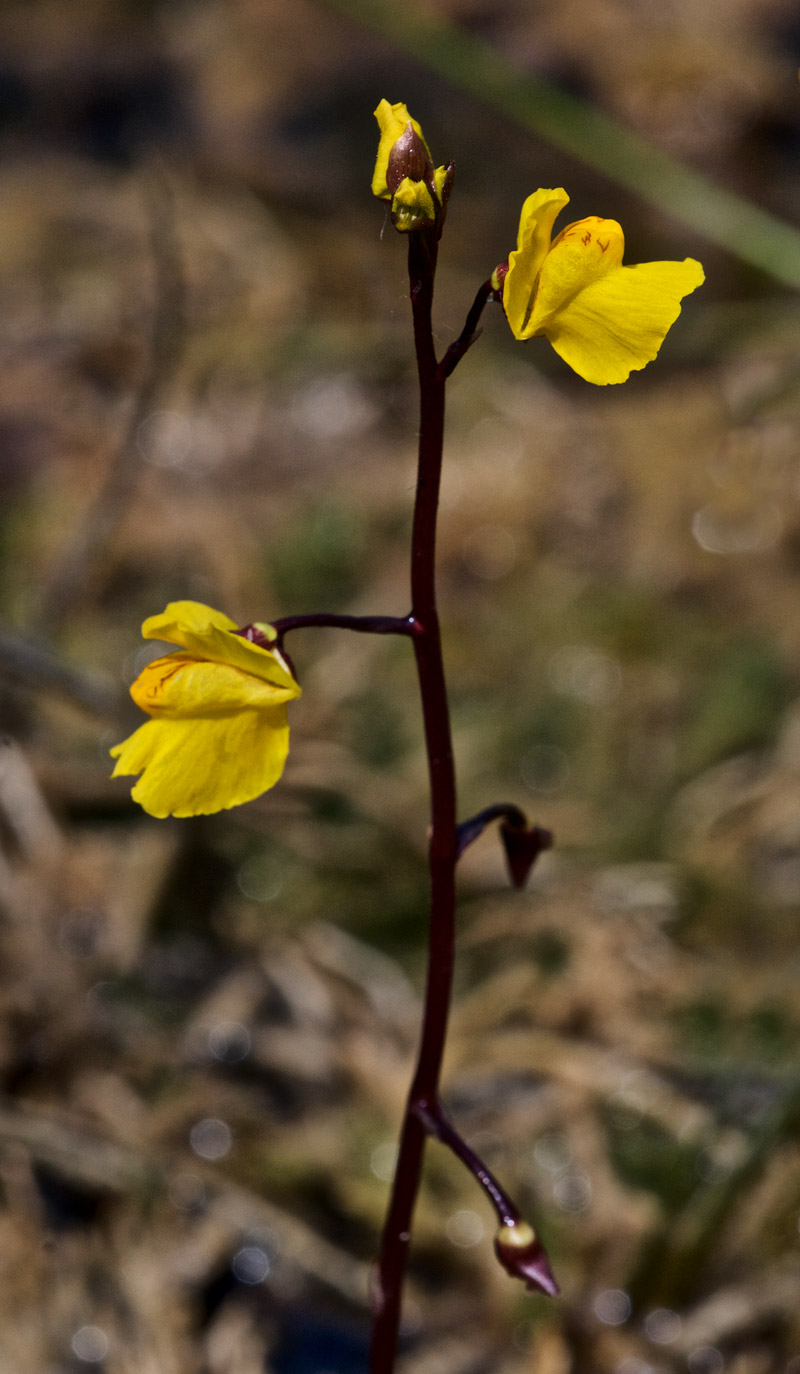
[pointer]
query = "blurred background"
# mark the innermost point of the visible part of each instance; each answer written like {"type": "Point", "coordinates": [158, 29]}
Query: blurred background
{"type": "Point", "coordinates": [207, 391]}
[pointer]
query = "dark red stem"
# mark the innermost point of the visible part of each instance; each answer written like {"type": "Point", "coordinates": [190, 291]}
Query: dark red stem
{"type": "Point", "coordinates": [443, 839]}
{"type": "Point", "coordinates": [469, 333]}
{"type": "Point", "coordinates": [516, 1244]}
{"type": "Point", "coordinates": [364, 624]}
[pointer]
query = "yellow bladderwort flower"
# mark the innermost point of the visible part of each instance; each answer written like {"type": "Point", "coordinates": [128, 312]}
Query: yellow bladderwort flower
{"type": "Point", "coordinates": [219, 734]}
{"type": "Point", "coordinates": [404, 172]}
{"type": "Point", "coordinates": [604, 319]}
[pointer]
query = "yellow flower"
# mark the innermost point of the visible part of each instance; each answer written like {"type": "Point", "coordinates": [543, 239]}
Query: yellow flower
{"type": "Point", "coordinates": [604, 319]}
{"type": "Point", "coordinates": [219, 734]}
{"type": "Point", "coordinates": [404, 171]}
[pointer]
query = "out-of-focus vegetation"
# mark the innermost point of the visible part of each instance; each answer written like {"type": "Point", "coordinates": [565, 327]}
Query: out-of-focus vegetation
{"type": "Point", "coordinates": [207, 1027]}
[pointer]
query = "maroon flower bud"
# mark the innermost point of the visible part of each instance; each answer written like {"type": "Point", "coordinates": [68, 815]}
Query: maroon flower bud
{"type": "Point", "coordinates": [261, 634]}
{"type": "Point", "coordinates": [498, 277]}
{"type": "Point", "coordinates": [523, 845]}
{"type": "Point", "coordinates": [523, 1256]}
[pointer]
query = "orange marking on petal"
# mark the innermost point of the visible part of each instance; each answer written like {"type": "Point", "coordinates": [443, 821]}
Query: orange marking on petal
{"type": "Point", "coordinates": [602, 246]}
{"type": "Point", "coordinates": [587, 238]}
{"type": "Point", "coordinates": [154, 686]}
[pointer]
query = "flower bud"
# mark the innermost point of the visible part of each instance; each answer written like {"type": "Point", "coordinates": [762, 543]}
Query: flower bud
{"type": "Point", "coordinates": [258, 632]}
{"type": "Point", "coordinates": [523, 1256]}
{"type": "Point", "coordinates": [404, 172]}
{"type": "Point", "coordinates": [523, 845]}
{"type": "Point", "coordinates": [498, 277]}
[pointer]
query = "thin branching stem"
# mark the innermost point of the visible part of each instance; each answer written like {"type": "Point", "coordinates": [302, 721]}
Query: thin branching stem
{"type": "Point", "coordinates": [438, 1124]}
{"type": "Point", "coordinates": [470, 830]}
{"type": "Point", "coordinates": [469, 334]}
{"type": "Point", "coordinates": [363, 624]}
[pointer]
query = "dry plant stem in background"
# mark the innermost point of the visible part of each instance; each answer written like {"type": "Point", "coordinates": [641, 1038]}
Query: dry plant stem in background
{"type": "Point", "coordinates": [78, 565]}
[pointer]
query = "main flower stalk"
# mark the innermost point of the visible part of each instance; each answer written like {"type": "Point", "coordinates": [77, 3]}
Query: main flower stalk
{"type": "Point", "coordinates": [443, 845]}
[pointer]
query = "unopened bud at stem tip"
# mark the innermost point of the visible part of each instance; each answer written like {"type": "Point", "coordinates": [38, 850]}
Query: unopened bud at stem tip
{"type": "Point", "coordinates": [524, 1257]}
{"type": "Point", "coordinates": [497, 278]}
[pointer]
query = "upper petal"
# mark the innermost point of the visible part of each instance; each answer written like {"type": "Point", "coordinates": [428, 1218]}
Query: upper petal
{"type": "Point", "coordinates": [617, 323]}
{"type": "Point", "coordinates": [184, 617]}
{"type": "Point", "coordinates": [206, 634]}
{"type": "Point", "coordinates": [583, 253]}
{"type": "Point", "coordinates": [199, 766]}
{"type": "Point", "coordinates": [533, 243]}
{"type": "Point", "coordinates": [181, 686]}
